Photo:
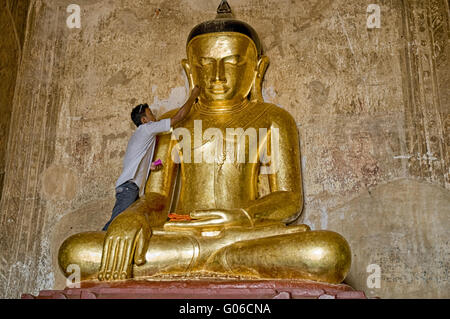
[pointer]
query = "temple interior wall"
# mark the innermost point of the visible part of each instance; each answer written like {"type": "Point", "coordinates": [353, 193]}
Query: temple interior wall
{"type": "Point", "coordinates": [13, 17]}
{"type": "Point", "coordinates": [371, 105]}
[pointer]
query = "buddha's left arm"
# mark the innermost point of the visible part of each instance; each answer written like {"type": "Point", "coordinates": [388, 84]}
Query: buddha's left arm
{"type": "Point", "coordinates": [285, 201]}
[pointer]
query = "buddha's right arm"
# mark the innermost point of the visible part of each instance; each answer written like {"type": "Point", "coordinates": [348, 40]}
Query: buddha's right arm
{"type": "Point", "coordinates": [152, 206]}
{"type": "Point", "coordinates": [129, 234]}
{"type": "Point", "coordinates": [160, 185]}
{"type": "Point", "coordinates": [155, 207]}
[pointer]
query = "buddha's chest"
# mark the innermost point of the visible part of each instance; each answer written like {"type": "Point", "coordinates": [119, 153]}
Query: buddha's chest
{"type": "Point", "coordinates": [218, 141]}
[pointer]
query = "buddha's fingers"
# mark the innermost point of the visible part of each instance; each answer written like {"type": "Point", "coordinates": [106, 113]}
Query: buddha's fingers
{"type": "Point", "coordinates": [125, 266]}
{"type": "Point", "coordinates": [202, 214]}
{"type": "Point", "coordinates": [117, 253]}
{"type": "Point", "coordinates": [217, 217]}
{"type": "Point", "coordinates": [112, 259]}
{"type": "Point", "coordinates": [123, 269]}
{"type": "Point", "coordinates": [141, 248]}
{"type": "Point", "coordinates": [187, 225]}
{"type": "Point", "coordinates": [118, 260]}
{"type": "Point", "coordinates": [105, 258]}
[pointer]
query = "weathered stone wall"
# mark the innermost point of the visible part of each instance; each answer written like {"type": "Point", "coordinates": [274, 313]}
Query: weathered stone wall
{"type": "Point", "coordinates": [13, 14]}
{"type": "Point", "coordinates": [372, 108]}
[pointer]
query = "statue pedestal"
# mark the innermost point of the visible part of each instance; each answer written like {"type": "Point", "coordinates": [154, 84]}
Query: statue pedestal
{"type": "Point", "coordinates": [203, 289]}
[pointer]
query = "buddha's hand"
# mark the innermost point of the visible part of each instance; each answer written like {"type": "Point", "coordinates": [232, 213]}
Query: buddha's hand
{"type": "Point", "coordinates": [127, 236]}
{"type": "Point", "coordinates": [211, 220]}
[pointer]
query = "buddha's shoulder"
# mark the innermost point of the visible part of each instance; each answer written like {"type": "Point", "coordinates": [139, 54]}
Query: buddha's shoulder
{"type": "Point", "coordinates": [275, 113]}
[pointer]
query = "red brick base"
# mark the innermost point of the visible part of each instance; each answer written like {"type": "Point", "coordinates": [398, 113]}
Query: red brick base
{"type": "Point", "coordinates": [203, 289]}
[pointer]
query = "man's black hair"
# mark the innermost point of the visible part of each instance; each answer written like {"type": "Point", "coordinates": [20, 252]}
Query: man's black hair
{"type": "Point", "coordinates": [137, 113]}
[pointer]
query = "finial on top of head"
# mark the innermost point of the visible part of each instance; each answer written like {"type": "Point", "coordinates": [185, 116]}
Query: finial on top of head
{"type": "Point", "coordinates": [225, 22]}
{"type": "Point", "coordinates": [224, 10]}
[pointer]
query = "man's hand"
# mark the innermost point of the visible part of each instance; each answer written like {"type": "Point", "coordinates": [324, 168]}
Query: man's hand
{"type": "Point", "coordinates": [127, 236]}
{"type": "Point", "coordinates": [211, 220]}
{"type": "Point", "coordinates": [156, 167]}
{"type": "Point", "coordinates": [186, 108]}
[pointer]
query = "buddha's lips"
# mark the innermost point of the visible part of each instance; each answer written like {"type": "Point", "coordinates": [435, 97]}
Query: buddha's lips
{"type": "Point", "coordinates": [218, 89]}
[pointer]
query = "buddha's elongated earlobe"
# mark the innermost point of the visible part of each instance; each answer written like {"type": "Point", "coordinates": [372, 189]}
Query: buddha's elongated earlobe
{"type": "Point", "coordinates": [187, 70]}
{"type": "Point", "coordinates": [256, 92]}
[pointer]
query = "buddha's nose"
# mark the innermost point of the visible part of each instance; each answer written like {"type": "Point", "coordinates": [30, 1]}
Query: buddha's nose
{"type": "Point", "coordinates": [219, 72]}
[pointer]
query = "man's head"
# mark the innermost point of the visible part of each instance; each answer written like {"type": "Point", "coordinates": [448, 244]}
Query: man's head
{"type": "Point", "coordinates": [142, 114]}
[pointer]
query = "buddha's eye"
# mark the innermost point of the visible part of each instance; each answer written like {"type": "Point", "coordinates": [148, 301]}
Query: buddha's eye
{"type": "Point", "coordinates": [206, 61]}
{"type": "Point", "coordinates": [234, 60]}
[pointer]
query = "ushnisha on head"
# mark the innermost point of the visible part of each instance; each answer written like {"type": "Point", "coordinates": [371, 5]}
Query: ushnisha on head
{"type": "Point", "coordinates": [224, 58]}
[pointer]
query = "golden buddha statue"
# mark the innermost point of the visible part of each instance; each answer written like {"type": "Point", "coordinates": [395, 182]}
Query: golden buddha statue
{"type": "Point", "coordinates": [227, 229]}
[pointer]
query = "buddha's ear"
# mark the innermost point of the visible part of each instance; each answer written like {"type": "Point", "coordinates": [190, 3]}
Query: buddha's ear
{"type": "Point", "coordinates": [261, 67]}
{"type": "Point", "coordinates": [187, 70]}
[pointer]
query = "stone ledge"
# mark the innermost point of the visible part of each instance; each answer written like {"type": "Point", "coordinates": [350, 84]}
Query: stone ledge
{"type": "Point", "coordinates": [203, 289]}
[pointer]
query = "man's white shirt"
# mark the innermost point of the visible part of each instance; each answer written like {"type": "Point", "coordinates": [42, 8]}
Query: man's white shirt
{"type": "Point", "coordinates": [139, 154]}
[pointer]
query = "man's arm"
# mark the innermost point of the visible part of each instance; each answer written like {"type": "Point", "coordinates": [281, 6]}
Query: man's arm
{"type": "Point", "coordinates": [186, 108]}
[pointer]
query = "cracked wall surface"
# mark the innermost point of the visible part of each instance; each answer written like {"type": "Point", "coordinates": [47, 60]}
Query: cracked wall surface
{"type": "Point", "coordinates": [371, 105]}
{"type": "Point", "coordinates": [13, 14]}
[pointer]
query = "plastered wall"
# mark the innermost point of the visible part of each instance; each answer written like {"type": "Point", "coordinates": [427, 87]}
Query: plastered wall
{"type": "Point", "coordinates": [371, 105]}
{"type": "Point", "coordinates": [13, 17]}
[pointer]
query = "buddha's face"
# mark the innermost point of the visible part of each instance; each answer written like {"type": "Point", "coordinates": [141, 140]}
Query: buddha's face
{"type": "Point", "coordinates": [223, 65]}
